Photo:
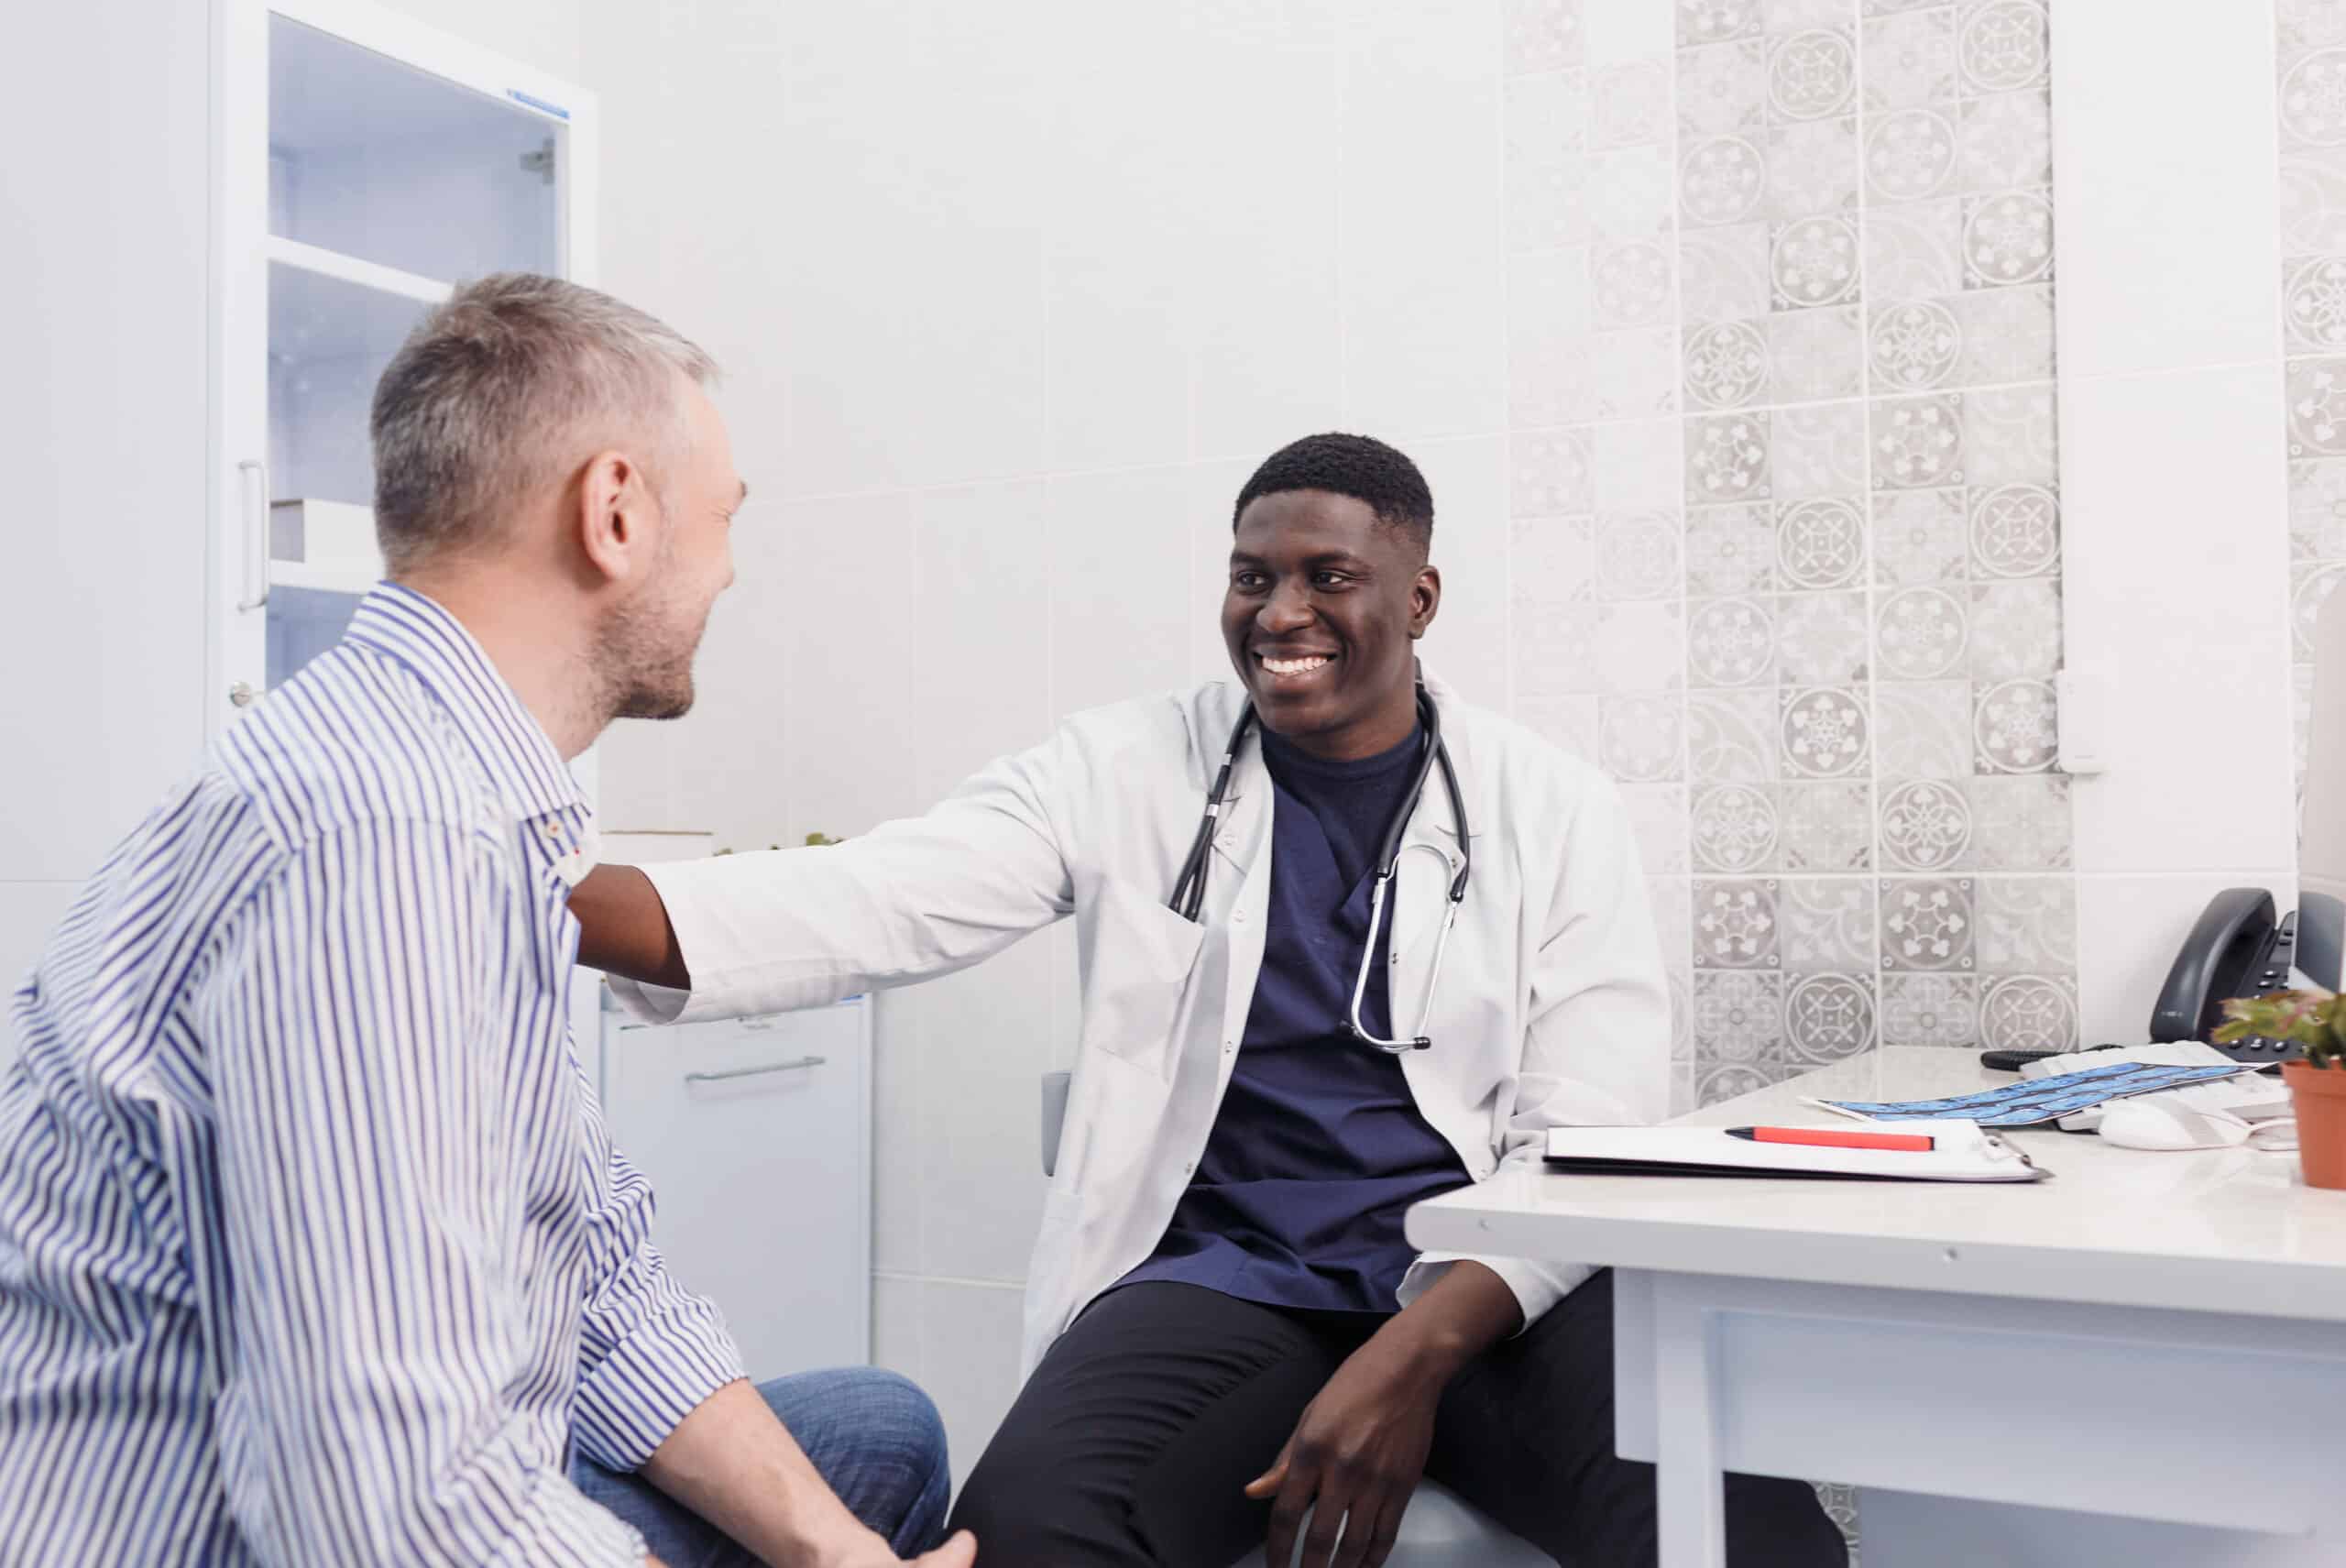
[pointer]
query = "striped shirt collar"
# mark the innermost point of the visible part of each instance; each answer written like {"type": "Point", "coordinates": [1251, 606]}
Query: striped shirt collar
{"type": "Point", "coordinates": [403, 625]}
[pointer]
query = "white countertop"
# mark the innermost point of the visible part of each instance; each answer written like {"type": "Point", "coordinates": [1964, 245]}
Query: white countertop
{"type": "Point", "coordinates": [2226, 1230]}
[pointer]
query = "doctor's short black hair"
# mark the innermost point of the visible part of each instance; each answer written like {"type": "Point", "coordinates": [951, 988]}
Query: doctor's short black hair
{"type": "Point", "coordinates": [1360, 467]}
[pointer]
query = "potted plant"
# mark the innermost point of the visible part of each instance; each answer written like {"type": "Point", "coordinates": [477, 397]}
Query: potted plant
{"type": "Point", "coordinates": [2316, 1020]}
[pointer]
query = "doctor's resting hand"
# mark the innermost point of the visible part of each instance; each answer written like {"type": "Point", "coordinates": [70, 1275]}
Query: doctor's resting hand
{"type": "Point", "coordinates": [1360, 1447]}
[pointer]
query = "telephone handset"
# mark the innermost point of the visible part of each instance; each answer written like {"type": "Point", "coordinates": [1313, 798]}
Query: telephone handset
{"type": "Point", "coordinates": [2239, 949]}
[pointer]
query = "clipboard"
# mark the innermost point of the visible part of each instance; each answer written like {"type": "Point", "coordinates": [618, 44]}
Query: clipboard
{"type": "Point", "coordinates": [1961, 1151]}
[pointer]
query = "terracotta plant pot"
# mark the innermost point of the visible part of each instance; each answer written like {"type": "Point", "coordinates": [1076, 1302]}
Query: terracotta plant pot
{"type": "Point", "coordinates": [2320, 1096]}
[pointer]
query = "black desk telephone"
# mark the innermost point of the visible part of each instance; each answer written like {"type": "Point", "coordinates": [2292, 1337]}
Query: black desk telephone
{"type": "Point", "coordinates": [2239, 949]}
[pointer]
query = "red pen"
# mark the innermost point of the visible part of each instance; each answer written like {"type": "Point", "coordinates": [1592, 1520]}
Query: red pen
{"type": "Point", "coordinates": [1833, 1138]}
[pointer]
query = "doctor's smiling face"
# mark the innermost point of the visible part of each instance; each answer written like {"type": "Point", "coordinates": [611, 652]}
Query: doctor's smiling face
{"type": "Point", "coordinates": [1329, 592]}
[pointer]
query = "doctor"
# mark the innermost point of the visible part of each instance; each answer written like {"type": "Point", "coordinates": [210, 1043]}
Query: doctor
{"type": "Point", "coordinates": [1347, 943]}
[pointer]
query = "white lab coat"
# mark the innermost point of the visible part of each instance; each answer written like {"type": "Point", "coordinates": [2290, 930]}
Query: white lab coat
{"type": "Point", "coordinates": [1552, 1009]}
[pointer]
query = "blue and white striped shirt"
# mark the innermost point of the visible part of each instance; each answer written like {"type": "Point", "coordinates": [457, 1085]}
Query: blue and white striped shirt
{"type": "Point", "coordinates": [313, 1248]}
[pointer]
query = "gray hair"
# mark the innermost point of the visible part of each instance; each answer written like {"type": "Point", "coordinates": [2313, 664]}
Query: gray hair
{"type": "Point", "coordinates": [504, 387]}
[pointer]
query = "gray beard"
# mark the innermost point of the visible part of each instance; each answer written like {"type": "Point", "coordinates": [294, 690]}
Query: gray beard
{"type": "Point", "coordinates": [643, 661]}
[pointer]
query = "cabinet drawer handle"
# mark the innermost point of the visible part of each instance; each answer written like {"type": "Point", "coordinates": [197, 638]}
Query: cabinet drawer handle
{"type": "Point", "coordinates": [754, 1071]}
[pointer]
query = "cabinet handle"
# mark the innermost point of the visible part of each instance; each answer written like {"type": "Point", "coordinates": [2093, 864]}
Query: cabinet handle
{"type": "Point", "coordinates": [754, 1071]}
{"type": "Point", "coordinates": [255, 520]}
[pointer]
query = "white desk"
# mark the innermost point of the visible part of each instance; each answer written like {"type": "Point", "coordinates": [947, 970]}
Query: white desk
{"type": "Point", "coordinates": [2000, 1369]}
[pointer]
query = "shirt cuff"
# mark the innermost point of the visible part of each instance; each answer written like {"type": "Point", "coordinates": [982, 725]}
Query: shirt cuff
{"type": "Point", "coordinates": [648, 1382]}
{"type": "Point", "coordinates": [1536, 1286]}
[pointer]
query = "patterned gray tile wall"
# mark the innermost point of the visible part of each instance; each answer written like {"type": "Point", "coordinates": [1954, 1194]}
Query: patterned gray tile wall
{"type": "Point", "coordinates": [1786, 533]}
{"type": "Point", "coordinates": [2311, 38]}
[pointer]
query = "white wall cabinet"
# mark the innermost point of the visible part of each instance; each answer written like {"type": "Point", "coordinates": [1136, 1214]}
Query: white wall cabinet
{"type": "Point", "coordinates": [362, 165]}
{"type": "Point", "coordinates": [756, 1136]}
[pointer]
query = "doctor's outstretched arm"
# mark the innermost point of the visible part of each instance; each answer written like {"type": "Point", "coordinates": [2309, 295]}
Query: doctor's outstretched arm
{"type": "Point", "coordinates": [739, 935]}
{"type": "Point", "coordinates": [623, 928]}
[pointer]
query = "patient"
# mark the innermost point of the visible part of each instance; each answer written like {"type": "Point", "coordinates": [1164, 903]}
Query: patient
{"type": "Point", "coordinates": [314, 1246]}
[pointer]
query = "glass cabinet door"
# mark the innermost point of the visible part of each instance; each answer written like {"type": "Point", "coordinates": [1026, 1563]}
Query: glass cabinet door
{"type": "Point", "coordinates": [387, 184]}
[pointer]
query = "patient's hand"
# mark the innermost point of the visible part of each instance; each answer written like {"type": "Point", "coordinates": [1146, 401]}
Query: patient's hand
{"type": "Point", "coordinates": [959, 1553]}
{"type": "Point", "coordinates": [1357, 1451]}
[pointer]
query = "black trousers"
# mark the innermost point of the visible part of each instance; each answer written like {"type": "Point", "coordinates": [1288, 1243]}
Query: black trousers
{"type": "Point", "coordinates": [1131, 1443]}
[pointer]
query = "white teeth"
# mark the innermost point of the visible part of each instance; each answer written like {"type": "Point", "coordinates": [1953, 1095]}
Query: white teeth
{"type": "Point", "coordinates": [1294, 666]}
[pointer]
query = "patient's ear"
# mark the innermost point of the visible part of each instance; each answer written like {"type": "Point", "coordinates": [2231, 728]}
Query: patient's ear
{"type": "Point", "coordinates": [617, 522]}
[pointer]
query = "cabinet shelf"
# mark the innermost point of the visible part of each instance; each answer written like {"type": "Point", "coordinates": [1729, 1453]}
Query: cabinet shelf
{"type": "Point", "coordinates": [323, 263]}
{"type": "Point", "coordinates": [318, 316]}
{"type": "Point", "coordinates": [354, 581]}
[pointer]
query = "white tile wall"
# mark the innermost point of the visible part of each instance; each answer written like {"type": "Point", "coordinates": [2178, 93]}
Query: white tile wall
{"type": "Point", "coordinates": [977, 617]}
{"type": "Point", "coordinates": [1418, 229]}
{"type": "Point", "coordinates": [984, 1041]}
{"type": "Point", "coordinates": [2169, 253]}
{"type": "Point", "coordinates": [2177, 567]}
{"type": "Point", "coordinates": [1116, 549]}
{"type": "Point", "coordinates": [2172, 478]}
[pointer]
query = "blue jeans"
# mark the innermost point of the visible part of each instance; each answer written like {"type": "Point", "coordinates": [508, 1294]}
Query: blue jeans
{"type": "Point", "coordinates": [874, 1435]}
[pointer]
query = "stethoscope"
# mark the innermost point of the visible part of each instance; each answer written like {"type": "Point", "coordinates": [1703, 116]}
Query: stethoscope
{"type": "Point", "coordinates": [1190, 891]}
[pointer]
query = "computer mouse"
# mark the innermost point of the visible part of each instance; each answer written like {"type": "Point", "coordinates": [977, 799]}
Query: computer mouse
{"type": "Point", "coordinates": [2152, 1122]}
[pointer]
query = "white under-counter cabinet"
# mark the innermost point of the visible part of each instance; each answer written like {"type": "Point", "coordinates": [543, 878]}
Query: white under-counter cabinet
{"type": "Point", "coordinates": [755, 1134]}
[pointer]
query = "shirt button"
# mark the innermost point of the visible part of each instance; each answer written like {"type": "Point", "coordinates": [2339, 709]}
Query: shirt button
{"type": "Point", "coordinates": [1239, 918]}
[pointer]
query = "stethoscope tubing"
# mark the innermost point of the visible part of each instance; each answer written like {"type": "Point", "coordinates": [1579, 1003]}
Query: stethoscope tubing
{"type": "Point", "coordinates": [1189, 887]}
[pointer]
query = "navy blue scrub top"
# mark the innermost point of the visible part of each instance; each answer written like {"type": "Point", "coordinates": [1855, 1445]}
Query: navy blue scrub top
{"type": "Point", "coordinates": [1319, 1149]}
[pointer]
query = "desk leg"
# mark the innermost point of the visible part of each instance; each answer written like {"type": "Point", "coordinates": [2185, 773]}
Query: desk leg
{"type": "Point", "coordinates": [1689, 1479]}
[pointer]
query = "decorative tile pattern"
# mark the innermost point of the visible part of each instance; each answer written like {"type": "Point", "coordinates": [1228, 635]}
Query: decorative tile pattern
{"type": "Point", "coordinates": [1786, 539]}
{"type": "Point", "coordinates": [1735, 925]}
{"type": "Point", "coordinates": [1734, 828]}
{"type": "Point", "coordinates": [1812, 75]}
{"type": "Point", "coordinates": [1828, 1017]}
{"type": "Point", "coordinates": [1729, 550]}
{"type": "Point", "coordinates": [1823, 827]}
{"type": "Point", "coordinates": [1926, 826]}
{"type": "Point", "coordinates": [1819, 543]}
{"type": "Point", "coordinates": [1821, 639]}
{"type": "Point", "coordinates": [1726, 458]}
{"type": "Point", "coordinates": [2312, 109]}
{"type": "Point", "coordinates": [1731, 737]}
{"type": "Point", "coordinates": [1817, 354]}
{"type": "Point", "coordinates": [1730, 642]}
{"type": "Point", "coordinates": [1928, 924]}
{"type": "Point", "coordinates": [1828, 926]}
{"type": "Point", "coordinates": [1812, 169]}
{"type": "Point", "coordinates": [1910, 59]}
{"type": "Point", "coordinates": [1814, 261]}
{"type": "Point", "coordinates": [1637, 556]}
{"type": "Point", "coordinates": [2004, 46]}
{"type": "Point", "coordinates": [1930, 1010]}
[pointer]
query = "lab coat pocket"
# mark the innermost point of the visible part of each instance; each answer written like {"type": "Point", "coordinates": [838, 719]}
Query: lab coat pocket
{"type": "Point", "coordinates": [1140, 963]}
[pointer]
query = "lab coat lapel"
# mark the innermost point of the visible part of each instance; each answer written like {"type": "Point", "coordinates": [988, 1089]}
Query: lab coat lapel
{"type": "Point", "coordinates": [1242, 857]}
